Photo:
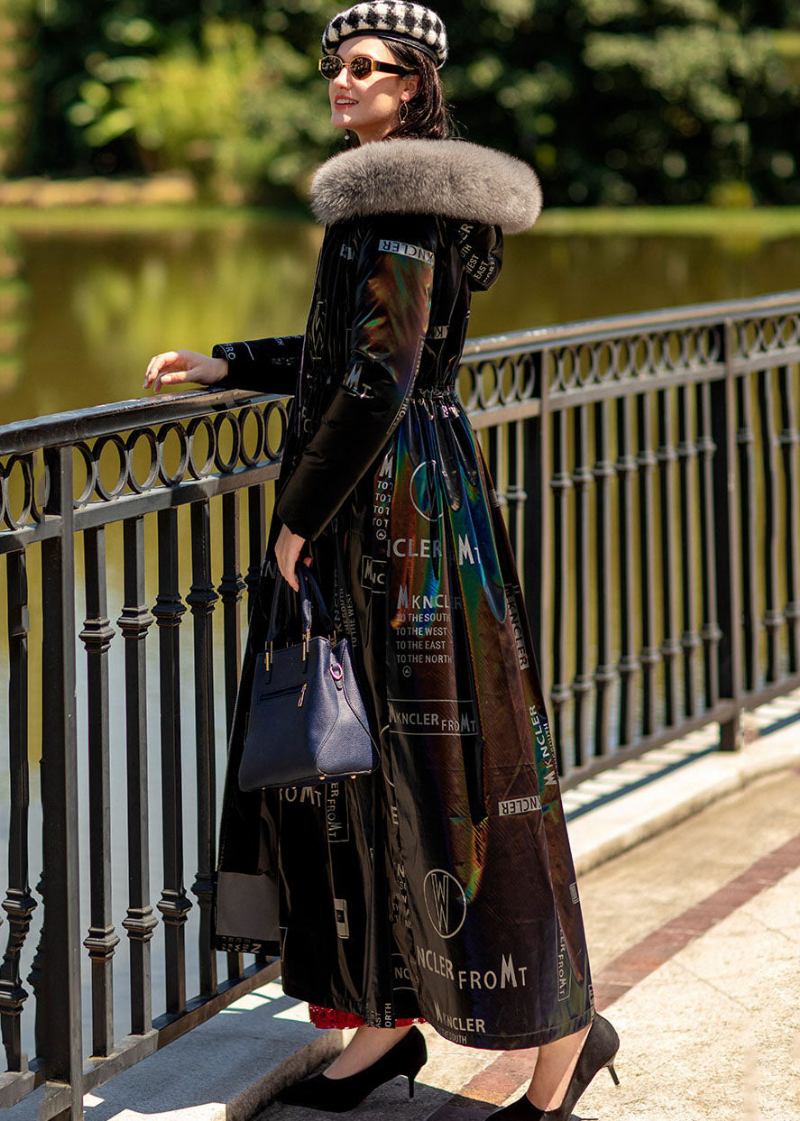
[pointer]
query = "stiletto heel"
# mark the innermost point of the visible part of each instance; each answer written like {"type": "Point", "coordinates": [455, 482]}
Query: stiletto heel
{"type": "Point", "coordinates": [599, 1050]}
{"type": "Point", "coordinates": [337, 1095]}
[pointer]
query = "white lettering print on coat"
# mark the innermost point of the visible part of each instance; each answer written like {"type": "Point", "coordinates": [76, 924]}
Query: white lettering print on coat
{"type": "Point", "coordinates": [433, 716]}
{"type": "Point", "coordinates": [382, 498]}
{"type": "Point", "coordinates": [526, 805]}
{"type": "Point", "coordinates": [373, 574]}
{"type": "Point", "coordinates": [445, 901]}
{"type": "Point", "coordinates": [401, 975]}
{"type": "Point", "coordinates": [458, 1024]}
{"type": "Point", "coordinates": [563, 968]}
{"type": "Point", "coordinates": [406, 249]}
{"type": "Point", "coordinates": [300, 793]}
{"type": "Point", "coordinates": [516, 626]}
{"type": "Point", "coordinates": [543, 744]}
{"type": "Point", "coordinates": [506, 976]}
{"type": "Point", "coordinates": [336, 816]}
{"type": "Point", "coordinates": [468, 551]}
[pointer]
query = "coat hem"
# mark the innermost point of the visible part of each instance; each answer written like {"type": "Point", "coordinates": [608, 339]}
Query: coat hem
{"type": "Point", "coordinates": [513, 1042]}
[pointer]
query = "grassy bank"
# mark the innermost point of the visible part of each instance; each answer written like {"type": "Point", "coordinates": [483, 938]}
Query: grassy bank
{"type": "Point", "coordinates": [759, 222]}
{"type": "Point", "coordinates": [764, 222]}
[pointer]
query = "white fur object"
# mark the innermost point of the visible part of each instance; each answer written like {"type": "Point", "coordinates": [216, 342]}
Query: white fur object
{"type": "Point", "coordinates": [454, 178]}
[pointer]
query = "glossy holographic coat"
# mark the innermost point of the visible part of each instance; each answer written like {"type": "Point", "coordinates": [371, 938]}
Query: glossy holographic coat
{"type": "Point", "coordinates": [443, 885]}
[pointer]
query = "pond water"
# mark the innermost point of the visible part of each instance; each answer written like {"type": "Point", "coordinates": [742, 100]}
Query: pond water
{"type": "Point", "coordinates": [84, 307]}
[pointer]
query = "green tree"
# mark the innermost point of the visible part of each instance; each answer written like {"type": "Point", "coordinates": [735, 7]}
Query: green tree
{"type": "Point", "coordinates": [613, 101]}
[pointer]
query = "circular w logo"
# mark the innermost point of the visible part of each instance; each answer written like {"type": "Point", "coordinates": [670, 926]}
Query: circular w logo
{"type": "Point", "coordinates": [446, 902]}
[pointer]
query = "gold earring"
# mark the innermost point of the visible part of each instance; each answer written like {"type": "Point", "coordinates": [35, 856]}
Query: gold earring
{"type": "Point", "coordinates": [402, 112]}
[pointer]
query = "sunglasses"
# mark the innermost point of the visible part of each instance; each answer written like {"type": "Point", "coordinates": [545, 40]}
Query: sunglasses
{"type": "Point", "coordinates": [360, 66]}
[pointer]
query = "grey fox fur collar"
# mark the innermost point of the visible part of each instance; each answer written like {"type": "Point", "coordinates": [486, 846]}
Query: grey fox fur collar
{"type": "Point", "coordinates": [454, 178]}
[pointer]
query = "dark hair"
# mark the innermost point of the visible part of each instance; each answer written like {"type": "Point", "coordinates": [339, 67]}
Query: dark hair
{"type": "Point", "coordinates": [428, 113]}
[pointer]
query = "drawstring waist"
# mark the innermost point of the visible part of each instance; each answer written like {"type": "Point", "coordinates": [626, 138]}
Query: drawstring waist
{"type": "Point", "coordinates": [433, 398]}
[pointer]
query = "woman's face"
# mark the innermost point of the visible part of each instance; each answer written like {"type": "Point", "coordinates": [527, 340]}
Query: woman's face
{"type": "Point", "coordinates": [368, 106]}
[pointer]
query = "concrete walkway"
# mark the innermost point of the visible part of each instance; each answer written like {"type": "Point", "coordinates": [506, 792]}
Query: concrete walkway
{"type": "Point", "coordinates": [689, 872]}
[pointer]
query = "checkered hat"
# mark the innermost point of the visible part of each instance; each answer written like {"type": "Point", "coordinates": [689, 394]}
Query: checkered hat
{"type": "Point", "coordinates": [390, 19]}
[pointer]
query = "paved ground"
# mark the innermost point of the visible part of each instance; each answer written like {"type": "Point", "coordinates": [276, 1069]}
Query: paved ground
{"type": "Point", "coordinates": [695, 943]}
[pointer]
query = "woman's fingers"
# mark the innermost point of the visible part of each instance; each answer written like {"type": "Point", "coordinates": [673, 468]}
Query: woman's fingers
{"type": "Point", "coordinates": [158, 362]}
{"type": "Point", "coordinates": [174, 367]}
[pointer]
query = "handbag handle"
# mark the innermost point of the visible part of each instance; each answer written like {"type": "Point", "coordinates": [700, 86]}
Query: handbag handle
{"type": "Point", "coordinates": [304, 577]}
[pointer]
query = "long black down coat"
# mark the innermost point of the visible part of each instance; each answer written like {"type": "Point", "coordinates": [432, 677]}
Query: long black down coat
{"type": "Point", "coordinates": [442, 885]}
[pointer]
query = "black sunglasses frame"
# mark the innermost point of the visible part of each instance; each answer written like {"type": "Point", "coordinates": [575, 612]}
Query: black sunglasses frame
{"type": "Point", "coordinates": [387, 67]}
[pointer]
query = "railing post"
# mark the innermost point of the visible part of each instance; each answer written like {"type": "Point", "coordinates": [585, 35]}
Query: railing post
{"type": "Point", "coordinates": [726, 557]}
{"type": "Point", "coordinates": [61, 987]}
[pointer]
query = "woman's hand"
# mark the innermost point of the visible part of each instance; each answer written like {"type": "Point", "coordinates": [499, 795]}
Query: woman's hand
{"type": "Point", "coordinates": [176, 366]}
{"type": "Point", "coordinates": [287, 553]}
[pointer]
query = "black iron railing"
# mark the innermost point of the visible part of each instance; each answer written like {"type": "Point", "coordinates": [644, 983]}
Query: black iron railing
{"type": "Point", "coordinates": [649, 466]}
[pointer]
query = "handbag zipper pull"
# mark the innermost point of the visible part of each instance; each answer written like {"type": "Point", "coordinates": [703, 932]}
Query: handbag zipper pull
{"type": "Point", "coordinates": [302, 694]}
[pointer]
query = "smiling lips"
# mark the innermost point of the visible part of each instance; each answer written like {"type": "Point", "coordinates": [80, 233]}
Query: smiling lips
{"type": "Point", "coordinates": [343, 102]}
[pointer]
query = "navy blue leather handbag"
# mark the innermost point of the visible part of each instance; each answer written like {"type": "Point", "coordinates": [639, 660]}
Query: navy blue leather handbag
{"type": "Point", "coordinates": [307, 722]}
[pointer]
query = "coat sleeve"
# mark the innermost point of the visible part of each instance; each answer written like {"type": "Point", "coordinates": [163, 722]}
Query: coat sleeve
{"type": "Point", "coordinates": [392, 300]}
{"type": "Point", "coordinates": [268, 365]}
{"type": "Point", "coordinates": [481, 249]}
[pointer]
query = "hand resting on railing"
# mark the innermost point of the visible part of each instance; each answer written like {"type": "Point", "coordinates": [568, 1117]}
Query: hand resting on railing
{"type": "Point", "coordinates": [173, 367]}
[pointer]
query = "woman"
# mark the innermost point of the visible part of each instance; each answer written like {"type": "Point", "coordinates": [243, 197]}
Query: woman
{"type": "Point", "coordinates": [441, 887]}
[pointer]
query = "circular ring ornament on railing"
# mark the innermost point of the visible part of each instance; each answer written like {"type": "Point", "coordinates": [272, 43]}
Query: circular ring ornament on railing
{"type": "Point", "coordinates": [673, 351]}
{"type": "Point", "coordinates": [195, 424]}
{"type": "Point", "coordinates": [708, 344]}
{"type": "Point", "coordinates": [488, 398]}
{"type": "Point", "coordinates": [639, 356]}
{"type": "Point", "coordinates": [164, 433]}
{"type": "Point", "coordinates": [604, 354]}
{"type": "Point", "coordinates": [152, 472]}
{"type": "Point", "coordinates": [469, 398]}
{"type": "Point", "coordinates": [690, 356]}
{"type": "Point", "coordinates": [245, 414]}
{"type": "Point", "coordinates": [99, 447]}
{"type": "Point", "coordinates": [90, 464]}
{"type": "Point", "coordinates": [622, 358]}
{"type": "Point", "coordinates": [271, 407]}
{"type": "Point", "coordinates": [567, 369]}
{"type": "Point", "coordinates": [655, 354]}
{"type": "Point", "coordinates": [507, 380]}
{"type": "Point", "coordinates": [790, 330]}
{"type": "Point", "coordinates": [23, 518]}
{"type": "Point", "coordinates": [525, 369]}
{"type": "Point", "coordinates": [585, 365]}
{"type": "Point", "coordinates": [769, 333]}
{"type": "Point", "coordinates": [227, 465]}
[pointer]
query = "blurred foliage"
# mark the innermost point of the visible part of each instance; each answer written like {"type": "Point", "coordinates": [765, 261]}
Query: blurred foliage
{"type": "Point", "coordinates": [613, 101]}
{"type": "Point", "coordinates": [229, 111]}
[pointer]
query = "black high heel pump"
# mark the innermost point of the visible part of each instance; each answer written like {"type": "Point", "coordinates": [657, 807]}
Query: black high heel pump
{"type": "Point", "coordinates": [599, 1050]}
{"type": "Point", "coordinates": [337, 1095]}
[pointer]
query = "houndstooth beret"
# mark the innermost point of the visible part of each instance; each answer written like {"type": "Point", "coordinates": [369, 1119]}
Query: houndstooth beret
{"type": "Point", "coordinates": [390, 19]}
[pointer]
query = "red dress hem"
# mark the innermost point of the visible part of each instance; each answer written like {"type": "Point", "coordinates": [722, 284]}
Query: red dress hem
{"type": "Point", "coordinates": [322, 1017]}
